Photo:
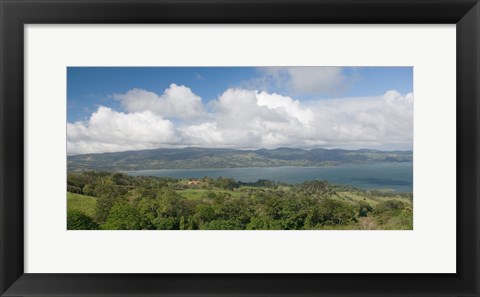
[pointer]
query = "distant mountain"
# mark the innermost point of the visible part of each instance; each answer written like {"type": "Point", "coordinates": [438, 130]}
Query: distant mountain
{"type": "Point", "coordinates": [196, 157]}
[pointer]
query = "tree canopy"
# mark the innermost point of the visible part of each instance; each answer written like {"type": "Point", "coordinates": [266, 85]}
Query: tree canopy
{"type": "Point", "coordinates": [124, 202]}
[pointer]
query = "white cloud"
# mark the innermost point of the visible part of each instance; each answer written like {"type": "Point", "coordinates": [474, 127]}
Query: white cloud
{"type": "Point", "coordinates": [108, 130]}
{"type": "Point", "coordinates": [242, 118]}
{"type": "Point", "coordinates": [176, 102]}
{"type": "Point", "coordinates": [374, 122]}
{"type": "Point", "coordinates": [249, 119]}
{"type": "Point", "coordinates": [286, 105]}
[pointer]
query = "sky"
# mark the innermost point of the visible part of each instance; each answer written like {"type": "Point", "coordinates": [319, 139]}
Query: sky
{"type": "Point", "coordinates": [111, 109]}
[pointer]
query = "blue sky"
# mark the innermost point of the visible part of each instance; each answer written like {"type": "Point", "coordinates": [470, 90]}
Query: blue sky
{"type": "Point", "coordinates": [131, 108]}
{"type": "Point", "coordinates": [89, 87]}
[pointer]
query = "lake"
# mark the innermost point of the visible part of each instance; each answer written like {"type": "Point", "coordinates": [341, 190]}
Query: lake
{"type": "Point", "coordinates": [394, 176]}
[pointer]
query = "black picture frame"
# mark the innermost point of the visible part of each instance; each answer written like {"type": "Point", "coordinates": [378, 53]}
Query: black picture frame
{"type": "Point", "coordinates": [15, 13]}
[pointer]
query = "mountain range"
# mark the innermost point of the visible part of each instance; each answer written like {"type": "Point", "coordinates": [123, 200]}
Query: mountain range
{"type": "Point", "coordinates": [197, 157]}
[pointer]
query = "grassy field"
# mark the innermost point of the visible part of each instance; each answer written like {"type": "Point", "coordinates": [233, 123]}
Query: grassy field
{"type": "Point", "coordinates": [81, 203]}
{"type": "Point", "coordinates": [196, 194]}
{"type": "Point", "coordinates": [372, 199]}
{"type": "Point", "coordinates": [193, 194]}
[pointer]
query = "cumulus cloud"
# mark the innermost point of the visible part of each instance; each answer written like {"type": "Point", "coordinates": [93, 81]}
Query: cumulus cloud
{"type": "Point", "coordinates": [374, 122]}
{"type": "Point", "coordinates": [306, 80]}
{"type": "Point", "coordinates": [241, 118]}
{"type": "Point", "coordinates": [176, 102]}
{"type": "Point", "coordinates": [251, 119]}
{"type": "Point", "coordinates": [285, 105]}
{"type": "Point", "coordinates": [108, 130]}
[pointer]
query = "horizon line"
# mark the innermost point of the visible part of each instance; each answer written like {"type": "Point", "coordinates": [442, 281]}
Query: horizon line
{"type": "Point", "coordinates": [242, 149]}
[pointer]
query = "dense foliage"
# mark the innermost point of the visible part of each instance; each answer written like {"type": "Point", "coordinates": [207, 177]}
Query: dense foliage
{"type": "Point", "coordinates": [116, 201]}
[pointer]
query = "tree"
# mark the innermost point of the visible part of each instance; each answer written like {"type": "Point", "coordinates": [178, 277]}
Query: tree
{"type": "Point", "coordinates": [107, 195]}
{"type": "Point", "coordinates": [89, 190]}
{"type": "Point", "coordinates": [223, 225]}
{"type": "Point", "coordinates": [164, 212]}
{"type": "Point", "coordinates": [121, 179]}
{"type": "Point", "coordinates": [204, 213]}
{"type": "Point", "coordinates": [77, 220]}
{"type": "Point", "coordinates": [147, 208]}
{"type": "Point", "coordinates": [315, 188]}
{"type": "Point", "coordinates": [333, 212]}
{"type": "Point", "coordinates": [264, 223]}
{"type": "Point", "coordinates": [226, 183]}
{"type": "Point", "coordinates": [122, 216]}
{"type": "Point", "coordinates": [74, 189]}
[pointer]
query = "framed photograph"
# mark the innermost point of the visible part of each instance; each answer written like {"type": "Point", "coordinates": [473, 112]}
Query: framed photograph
{"type": "Point", "coordinates": [243, 154]}
{"type": "Point", "coordinates": [239, 148]}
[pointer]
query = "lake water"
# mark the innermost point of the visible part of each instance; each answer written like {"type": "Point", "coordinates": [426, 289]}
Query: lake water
{"type": "Point", "coordinates": [394, 176]}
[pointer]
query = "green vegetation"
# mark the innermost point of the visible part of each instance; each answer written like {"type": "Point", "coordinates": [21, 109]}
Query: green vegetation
{"type": "Point", "coordinates": [116, 201]}
{"type": "Point", "coordinates": [77, 220]}
{"type": "Point", "coordinates": [81, 203]}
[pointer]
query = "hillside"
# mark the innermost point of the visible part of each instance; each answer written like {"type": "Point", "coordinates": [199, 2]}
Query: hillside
{"type": "Point", "coordinates": [116, 201]}
{"type": "Point", "coordinates": [195, 157]}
